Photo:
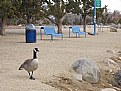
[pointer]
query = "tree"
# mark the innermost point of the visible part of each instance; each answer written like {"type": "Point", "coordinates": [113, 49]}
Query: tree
{"type": "Point", "coordinates": [55, 11]}
{"type": "Point", "coordinates": [119, 21]}
{"type": "Point", "coordinates": [7, 9]}
{"type": "Point", "coordinates": [105, 15]}
{"type": "Point", "coordinates": [116, 16]}
{"type": "Point", "coordinates": [59, 8]}
{"type": "Point", "coordinates": [100, 14]}
{"type": "Point", "coordinates": [86, 10]}
{"type": "Point", "coordinates": [30, 10]}
{"type": "Point", "coordinates": [84, 7]}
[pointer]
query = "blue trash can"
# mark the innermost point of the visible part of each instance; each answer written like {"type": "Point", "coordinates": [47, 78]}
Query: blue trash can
{"type": "Point", "coordinates": [30, 34]}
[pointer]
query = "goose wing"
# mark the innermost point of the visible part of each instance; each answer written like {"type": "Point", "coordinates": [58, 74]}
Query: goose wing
{"type": "Point", "coordinates": [27, 62]}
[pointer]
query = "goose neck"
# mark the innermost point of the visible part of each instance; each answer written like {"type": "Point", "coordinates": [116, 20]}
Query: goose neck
{"type": "Point", "coordinates": [34, 55]}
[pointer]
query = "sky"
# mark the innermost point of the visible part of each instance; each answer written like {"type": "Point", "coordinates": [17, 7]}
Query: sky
{"type": "Point", "coordinates": [112, 4]}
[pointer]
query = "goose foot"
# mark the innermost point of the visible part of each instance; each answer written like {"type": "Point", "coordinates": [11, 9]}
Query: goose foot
{"type": "Point", "coordinates": [32, 78]}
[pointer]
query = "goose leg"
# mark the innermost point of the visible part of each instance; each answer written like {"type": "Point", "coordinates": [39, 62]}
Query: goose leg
{"type": "Point", "coordinates": [29, 73]}
{"type": "Point", "coordinates": [31, 77]}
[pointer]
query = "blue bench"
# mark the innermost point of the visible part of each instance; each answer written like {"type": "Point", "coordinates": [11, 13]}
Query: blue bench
{"type": "Point", "coordinates": [76, 30]}
{"type": "Point", "coordinates": [50, 30]}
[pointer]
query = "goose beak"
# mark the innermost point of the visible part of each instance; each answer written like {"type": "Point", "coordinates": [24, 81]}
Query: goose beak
{"type": "Point", "coordinates": [38, 50]}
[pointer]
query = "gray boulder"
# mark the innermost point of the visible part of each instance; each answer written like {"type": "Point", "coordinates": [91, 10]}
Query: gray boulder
{"type": "Point", "coordinates": [117, 77]}
{"type": "Point", "coordinates": [89, 70]}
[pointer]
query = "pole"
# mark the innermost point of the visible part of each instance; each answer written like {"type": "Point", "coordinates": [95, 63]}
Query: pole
{"type": "Point", "coordinates": [94, 17]}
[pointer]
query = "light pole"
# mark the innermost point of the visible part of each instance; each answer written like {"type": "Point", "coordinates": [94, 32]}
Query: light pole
{"type": "Point", "coordinates": [94, 17]}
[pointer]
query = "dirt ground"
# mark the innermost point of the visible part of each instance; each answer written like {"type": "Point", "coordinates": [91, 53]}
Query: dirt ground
{"type": "Point", "coordinates": [55, 60]}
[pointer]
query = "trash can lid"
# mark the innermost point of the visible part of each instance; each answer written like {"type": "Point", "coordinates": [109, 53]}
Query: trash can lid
{"type": "Point", "coordinates": [30, 26]}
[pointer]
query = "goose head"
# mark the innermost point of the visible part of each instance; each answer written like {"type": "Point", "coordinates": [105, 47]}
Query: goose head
{"type": "Point", "coordinates": [35, 50]}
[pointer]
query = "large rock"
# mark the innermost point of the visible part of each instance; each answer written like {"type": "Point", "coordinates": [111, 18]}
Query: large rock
{"type": "Point", "coordinates": [89, 70]}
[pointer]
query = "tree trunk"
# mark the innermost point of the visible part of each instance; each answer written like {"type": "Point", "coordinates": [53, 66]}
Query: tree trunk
{"type": "Point", "coordinates": [84, 17]}
{"type": "Point", "coordinates": [0, 25]}
{"type": "Point", "coordinates": [84, 25]}
{"type": "Point", "coordinates": [59, 25]}
{"type": "Point", "coordinates": [28, 17]}
{"type": "Point", "coordinates": [2, 32]}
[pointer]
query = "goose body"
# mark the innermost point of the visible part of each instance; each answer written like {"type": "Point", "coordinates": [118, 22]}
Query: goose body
{"type": "Point", "coordinates": [31, 65]}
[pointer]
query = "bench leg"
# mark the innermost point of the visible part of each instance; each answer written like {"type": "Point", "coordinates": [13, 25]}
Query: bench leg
{"type": "Point", "coordinates": [40, 35]}
{"type": "Point", "coordinates": [62, 37]}
{"type": "Point", "coordinates": [85, 35]}
{"type": "Point", "coordinates": [69, 33]}
{"type": "Point", "coordinates": [52, 37]}
{"type": "Point", "coordinates": [76, 35]}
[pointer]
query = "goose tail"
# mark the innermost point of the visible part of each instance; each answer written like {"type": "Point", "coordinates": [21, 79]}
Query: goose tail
{"type": "Point", "coordinates": [21, 67]}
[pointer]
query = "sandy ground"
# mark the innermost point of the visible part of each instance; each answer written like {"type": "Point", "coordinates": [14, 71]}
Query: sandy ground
{"type": "Point", "coordinates": [55, 60]}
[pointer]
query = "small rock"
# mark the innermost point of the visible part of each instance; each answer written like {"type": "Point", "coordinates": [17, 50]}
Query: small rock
{"type": "Point", "coordinates": [108, 89]}
{"type": "Point", "coordinates": [113, 29]}
{"type": "Point", "coordinates": [119, 51]}
{"type": "Point", "coordinates": [111, 65]}
{"type": "Point", "coordinates": [117, 88]}
{"type": "Point", "coordinates": [110, 51]}
{"type": "Point", "coordinates": [77, 76]}
{"type": "Point", "coordinates": [119, 58]}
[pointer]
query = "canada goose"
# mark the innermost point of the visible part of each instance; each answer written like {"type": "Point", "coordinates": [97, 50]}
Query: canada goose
{"type": "Point", "coordinates": [31, 65]}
